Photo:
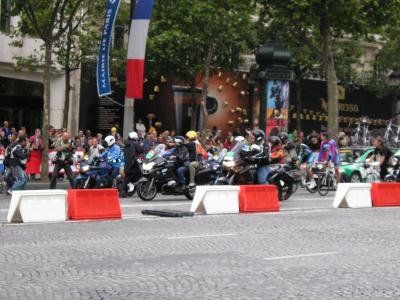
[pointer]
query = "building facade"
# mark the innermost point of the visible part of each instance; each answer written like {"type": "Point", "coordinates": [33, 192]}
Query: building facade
{"type": "Point", "coordinates": [21, 90]}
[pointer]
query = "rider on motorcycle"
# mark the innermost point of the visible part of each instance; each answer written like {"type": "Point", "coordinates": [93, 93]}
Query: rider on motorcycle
{"type": "Point", "coordinates": [131, 167]}
{"type": "Point", "coordinates": [289, 148]}
{"type": "Point", "coordinates": [262, 158]}
{"type": "Point", "coordinates": [113, 155]}
{"type": "Point", "coordinates": [182, 160]}
{"type": "Point", "coordinates": [196, 153]}
{"type": "Point", "coordinates": [277, 151]}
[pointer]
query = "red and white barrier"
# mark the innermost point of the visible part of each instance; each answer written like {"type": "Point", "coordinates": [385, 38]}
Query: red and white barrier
{"type": "Point", "coordinates": [353, 195]}
{"type": "Point", "coordinates": [93, 204]}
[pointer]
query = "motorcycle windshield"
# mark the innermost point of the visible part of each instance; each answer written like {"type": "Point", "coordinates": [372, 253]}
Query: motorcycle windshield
{"type": "Point", "coordinates": [234, 154]}
{"type": "Point", "coordinates": [156, 153]}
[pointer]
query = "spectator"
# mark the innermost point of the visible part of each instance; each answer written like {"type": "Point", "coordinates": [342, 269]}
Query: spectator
{"type": "Point", "coordinates": [6, 129]}
{"type": "Point", "coordinates": [17, 164]}
{"type": "Point", "coordinates": [115, 134]}
{"type": "Point", "coordinates": [95, 149]}
{"type": "Point", "coordinates": [36, 141]}
{"type": "Point", "coordinates": [140, 128]}
{"type": "Point", "coordinates": [65, 148]}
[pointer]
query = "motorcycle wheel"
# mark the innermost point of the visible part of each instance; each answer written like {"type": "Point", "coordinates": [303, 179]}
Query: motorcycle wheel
{"type": "Point", "coordinates": [189, 194]}
{"type": "Point", "coordinates": [144, 193]}
{"type": "Point", "coordinates": [284, 192]}
{"type": "Point", "coordinates": [79, 184]}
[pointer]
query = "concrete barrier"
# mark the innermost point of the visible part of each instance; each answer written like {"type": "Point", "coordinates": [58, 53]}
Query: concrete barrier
{"type": "Point", "coordinates": [217, 199]}
{"type": "Point", "coordinates": [38, 206]}
{"type": "Point", "coordinates": [353, 195]}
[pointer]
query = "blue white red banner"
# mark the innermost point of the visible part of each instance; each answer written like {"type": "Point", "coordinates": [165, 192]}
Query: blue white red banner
{"type": "Point", "coordinates": [137, 48]}
{"type": "Point", "coordinates": [103, 62]}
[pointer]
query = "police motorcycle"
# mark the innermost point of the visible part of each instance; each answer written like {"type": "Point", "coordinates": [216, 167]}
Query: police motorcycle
{"type": "Point", "coordinates": [93, 174]}
{"type": "Point", "coordinates": [159, 176]}
{"type": "Point", "coordinates": [210, 169]}
{"type": "Point", "coordinates": [237, 170]}
{"type": "Point", "coordinates": [394, 173]}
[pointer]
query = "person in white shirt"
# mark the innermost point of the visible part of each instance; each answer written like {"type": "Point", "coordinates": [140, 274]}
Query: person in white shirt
{"type": "Point", "coordinates": [140, 128]}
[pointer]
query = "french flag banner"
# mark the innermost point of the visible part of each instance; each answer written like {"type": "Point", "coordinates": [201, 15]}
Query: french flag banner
{"type": "Point", "coordinates": [103, 62]}
{"type": "Point", "coordinates": [137, 48]}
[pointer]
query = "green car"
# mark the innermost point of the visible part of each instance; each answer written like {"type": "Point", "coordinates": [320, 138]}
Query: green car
{"type": "Point", "coordinates": [350, 162]}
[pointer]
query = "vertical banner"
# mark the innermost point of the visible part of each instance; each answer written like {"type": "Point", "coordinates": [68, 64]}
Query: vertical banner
{"type": "Point", "coordinates": [277, 106]}
{"type": "Point", "coordinates": [137, 48]}
{"type": "Point", "coordinates": [103, 62]}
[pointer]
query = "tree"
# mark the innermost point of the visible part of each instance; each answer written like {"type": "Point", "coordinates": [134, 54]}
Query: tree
{"type": "Point", "coordinates": [47, 20]}
{"type": "Point", "coordinates": [187, 38]}
{"type": "Point", "coordinates": [320, 25]}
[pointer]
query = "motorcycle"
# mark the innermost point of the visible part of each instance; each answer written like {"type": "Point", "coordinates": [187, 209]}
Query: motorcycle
{"type": "Point", "coordinates": [95, 174]}
{"type": "Point", "coordinates": [240, 171]}
{"type": "Point", "coordinates": [394, 174]}
{"type": "Point", "coordinates": [159, 177]}
{"type": "Point", "coordinates": [210, 169]}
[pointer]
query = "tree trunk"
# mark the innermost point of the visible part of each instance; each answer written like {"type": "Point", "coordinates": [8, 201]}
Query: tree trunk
{"type": "Point", "coordinates": [332, 90]}
{"type": "Point", "coordinates": [298, 104]}
{"type": "Point", "coordinates": [67, 97]}
{"type": "Point", "coordinates": [194, 105]}
{"type": "Point", "coordinates": [204, 91]}
{"type": "Point", "coordinates": [46, 111]}
{"type": "Point", "coordinates": [67, 73]}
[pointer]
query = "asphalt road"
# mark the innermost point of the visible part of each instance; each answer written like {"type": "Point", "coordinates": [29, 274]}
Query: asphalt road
{"type": "Point", "coordinates": [307, 251]}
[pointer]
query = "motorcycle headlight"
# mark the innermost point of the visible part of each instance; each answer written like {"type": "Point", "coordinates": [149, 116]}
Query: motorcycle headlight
{"type": "Point", "coordinates": [148, 166]}
{"type": "Point", "coordinates": [229, 164]}
{"type": "Point", "coordinates": [84, 169]}
{"type": "Point", "coordinates": [320, 166]}
{"type": "Point", "coordinates": [395, 161]}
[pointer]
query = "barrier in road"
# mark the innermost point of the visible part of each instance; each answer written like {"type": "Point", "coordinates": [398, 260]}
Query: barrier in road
{"type": "Point", "coordinates": [38, 206]}
{"type": "Point", "coordinates": [353, 195]}
{"type": "Point", "coordinates": [258, 198]}
{"type": "Point", "coordinates": [93, 204]}
{"type": "Point", "coordinates": [385, 194]}
{"type": "Point", "coordinates": [217, 199]}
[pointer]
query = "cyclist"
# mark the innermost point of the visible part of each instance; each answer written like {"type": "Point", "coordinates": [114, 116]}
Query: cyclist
{"type": "Point", "coordinates": [305, 155]}
{"type": "Point", "coordinates": [328, 153]}
{"type": "Point", "coordinates": [382, 155]}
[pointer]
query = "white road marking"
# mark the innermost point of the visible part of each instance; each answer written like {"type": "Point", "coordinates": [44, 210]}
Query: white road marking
{"type": "Point", "coordinates": [200, 236]}
{"type": "Point", "coordinates": [300, 255]}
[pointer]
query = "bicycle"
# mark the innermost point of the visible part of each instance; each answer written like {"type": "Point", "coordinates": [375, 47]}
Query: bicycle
{"type": "Point", "coordinates": [326, 179]}
{"type": "Point", "coordinates": [391, 137]}
{"type": "Point", "coordinates": [371, 172]}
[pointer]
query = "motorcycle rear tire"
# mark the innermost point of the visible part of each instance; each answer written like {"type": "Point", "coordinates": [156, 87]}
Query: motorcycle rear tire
{"type": "Point", "coordinates": [189, 195]}
{"type": "Point", "coordinates": [283, 196]}
{"type": "Point", "coordinates": [79, 184]}
{"type": "Point", "coordinates": [148, 195]}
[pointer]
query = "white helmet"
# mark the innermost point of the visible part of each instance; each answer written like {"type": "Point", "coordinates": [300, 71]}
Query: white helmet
{"type": "Point", "coordinates": [110, 140]}
{"type": "Point", "coordinates": [133, 135]}
{"type": "Point", "coordinates": [239, 139]}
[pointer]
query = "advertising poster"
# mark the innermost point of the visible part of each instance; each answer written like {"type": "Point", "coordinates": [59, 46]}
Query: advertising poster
{"type": "Point", "coordinates": [277, 106]}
